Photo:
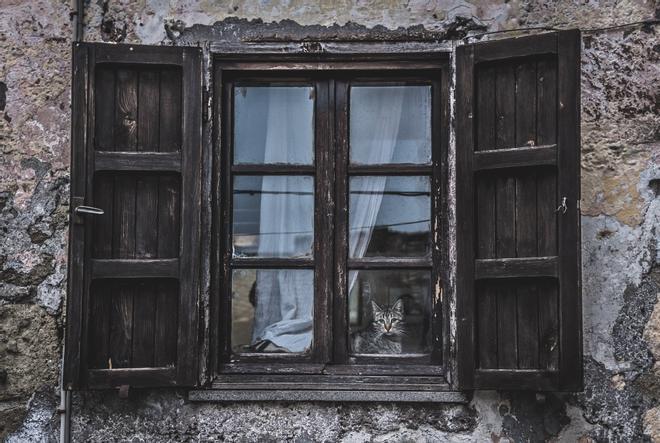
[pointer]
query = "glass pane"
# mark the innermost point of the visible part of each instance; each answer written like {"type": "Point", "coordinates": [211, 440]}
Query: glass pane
{"type": "Point", "coordinates": [271, 310]}
{"type": "Point", "coordinates": [273, 216]}
{"type": "Point", "coordinates": [389, 312]}
{"type": "Point", "coordinates": [389, 216]}
{"type": "Point", "coordinates": [390, 124]}
{"type": "Point", "coordinates": [274, 124]}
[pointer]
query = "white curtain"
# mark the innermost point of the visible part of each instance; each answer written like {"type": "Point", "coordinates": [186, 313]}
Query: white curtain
{"type": "Point", "coordinates": [284, 298]}
{"type": "Point", "coordinates": [283, 313]}
{"type": "Point", "coordinates": [381, 111]}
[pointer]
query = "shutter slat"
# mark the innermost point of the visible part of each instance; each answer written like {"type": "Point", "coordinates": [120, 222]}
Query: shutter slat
{"type": "Point", "coordinates": [516, 267]}
{"type": "Point", "coordinates": [135, 268]}
{"type": "Point", "coordinates": [515, 157]}
{"type": "Point", "coordinates": [137, 161]}
{"type": "Point", "coordinates": [518, 299]}
{"type": "Point", "coordinates": [137, 277]}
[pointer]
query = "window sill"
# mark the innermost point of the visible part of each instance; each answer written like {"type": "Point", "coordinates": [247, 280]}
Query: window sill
{"type": "Point", "coordinates": [274, 394]}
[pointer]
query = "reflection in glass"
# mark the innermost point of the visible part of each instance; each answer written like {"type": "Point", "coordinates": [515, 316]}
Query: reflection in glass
{"type": "Point", "coordinates": [274, 124]}
{"type": "Point", "coordinates": [390, 124]}
{"type": "Point", "coordinates": [271, 310]}
{"type": "Point", "coordinates": [389, 312]}
{"type": "Point", "coordinates": [273, 216]}
{"type": "Point", "coordinates": [389, 216]}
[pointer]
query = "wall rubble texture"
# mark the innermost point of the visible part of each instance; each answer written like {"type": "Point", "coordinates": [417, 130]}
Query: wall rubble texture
{"type": "Point", "coordinates": [621, 226]}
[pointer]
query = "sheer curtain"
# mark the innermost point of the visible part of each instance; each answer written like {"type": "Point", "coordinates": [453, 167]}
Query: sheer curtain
{"type": "Point", "coordinates": [382, 112]}
{"type": "Point", "coordinates": [284, 299]}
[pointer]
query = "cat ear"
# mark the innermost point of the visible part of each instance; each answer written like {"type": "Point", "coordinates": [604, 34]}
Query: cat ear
{"type": "Point", "coordinates": [398, 306]}
{"type": "Point", "coordinates": [376, 308]}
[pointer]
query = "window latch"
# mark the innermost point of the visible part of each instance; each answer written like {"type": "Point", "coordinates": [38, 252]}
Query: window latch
{"type": "Point", "coordinates": [81, 210]}
{"type": "Point", "coordinates": [562, 208]}
{"type": "Point", "coordinates": [88, 210]}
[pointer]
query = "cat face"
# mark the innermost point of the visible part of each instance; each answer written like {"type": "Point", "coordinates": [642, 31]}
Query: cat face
{"type": "Point", "coordinates": [388, 320]}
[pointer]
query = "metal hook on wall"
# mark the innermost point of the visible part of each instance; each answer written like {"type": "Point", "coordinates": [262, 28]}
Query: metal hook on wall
{"type": "Point", "coordinates": [563, 208]}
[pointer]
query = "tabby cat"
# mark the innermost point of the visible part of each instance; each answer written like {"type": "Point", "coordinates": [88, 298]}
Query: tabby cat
{"type": "Point", "coordinates": [384, 333]}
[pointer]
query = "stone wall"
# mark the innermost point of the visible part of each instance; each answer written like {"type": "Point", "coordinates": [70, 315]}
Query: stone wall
{"type": "Point", "coordinates": [620, 226]}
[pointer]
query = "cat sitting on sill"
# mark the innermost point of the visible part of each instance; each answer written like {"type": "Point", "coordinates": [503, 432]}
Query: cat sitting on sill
{"type": "Point", "coordinates": [385, 332]}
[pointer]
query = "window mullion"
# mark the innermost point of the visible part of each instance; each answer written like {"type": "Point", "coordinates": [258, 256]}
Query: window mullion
{"type": "Point", "coordinates": [323, 226]}
{"type": "Point", "coordinates": [340, 319]}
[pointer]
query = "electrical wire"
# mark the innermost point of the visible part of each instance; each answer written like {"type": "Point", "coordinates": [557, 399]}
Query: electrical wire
{"type": "Point", "coordinates": [650, 22]}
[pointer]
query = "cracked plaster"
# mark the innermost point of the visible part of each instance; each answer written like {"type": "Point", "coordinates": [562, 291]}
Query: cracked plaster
{"type": "Point", "coordinates": [620, 161]}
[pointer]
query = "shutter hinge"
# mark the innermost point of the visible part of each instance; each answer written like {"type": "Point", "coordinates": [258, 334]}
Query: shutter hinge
{"type": "Point", "coordinates": [207, 106]}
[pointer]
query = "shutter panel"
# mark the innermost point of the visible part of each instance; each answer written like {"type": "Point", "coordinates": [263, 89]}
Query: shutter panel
{"type": "Point", "coordinates": [132, 307]}
{"type": "Point", "coordinates": [518, 156]}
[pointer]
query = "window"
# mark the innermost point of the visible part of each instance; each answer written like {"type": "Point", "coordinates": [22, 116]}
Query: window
{"type": "Point", "coordinates": [352, 224]}
{"type": "Point", "coordinates": [330, 221]}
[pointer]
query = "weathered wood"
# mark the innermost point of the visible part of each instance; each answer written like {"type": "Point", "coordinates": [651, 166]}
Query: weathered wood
{"type": "Point", "coordinates": [484, 115]}
{"type": "Point", "coordinates": [506, 49]}
{"type": "Point", "coordinates": [133, 377]}
{"type": "Point", "coordinates": [273, 169]}
{"type": "Point", "coordinates": [105, 109]}
{"type": "Point", "coordinates": [524, 166]}
{"type": "Point", "coordinates": [135, 268]}
{"type": "Point", "coordinates": [323, 222]}
{"type": "Point", "coordinates": [125, 130]}
{"type": "Point", "coordinates": [272, 263]}
{"type": "Point", "coordinates": [100, 297]}
{"type": "Point", "coordinates": [132, 275]}
{"type": "Point", "coordinates": [547, 198]}
{"type": "Point", "coordinates": [485, 208]}
{"type": "Point", "coordinates": [546, 101]}
{"type": "Point", "coordinates": [138, 55]}
{"type": "Point", "coordinates": [340, 295]}
{"type": "Point", "coordinates": [517, 379]}
{"type": "Point", "coordinates": [390, 263]}
{"type": "Point", "coordinates": [191, 133]}
{"type": "Point", "coordinates": [170, 102]}
{"type": "Point", "coordinates": [568, 141]}
{"type": "Point", "coordinates": [148, 124]}
{"type": "Point", "coordinates": [516, 267]}
{"type": "Point", "coordinates": [515, 157]}
{"type": "Point", "coordinates": [395, 169]}
{"type": "Point", "coordinates": [137, 161]}
{"type": "Point", "coordinates": [440, 273]}
{"type": "Point", "coordinates": [526, 216]}
{"type": "Point", "coordinates": [465, 241]}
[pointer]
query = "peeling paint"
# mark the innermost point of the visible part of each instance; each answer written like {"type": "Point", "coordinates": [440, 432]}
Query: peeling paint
{"type": "Point", "coordinates": [620, 206]}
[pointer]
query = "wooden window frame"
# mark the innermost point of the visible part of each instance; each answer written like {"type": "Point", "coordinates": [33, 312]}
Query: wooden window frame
{"type": "Point", "coordinates": [288, 377]}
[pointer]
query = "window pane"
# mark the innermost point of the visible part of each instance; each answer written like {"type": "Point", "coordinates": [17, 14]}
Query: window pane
{"type": "Point", "coordinates": [390, 124]}
{"type": "Point", "coordinates": [274, 124]}
{"type": "Point", "coordinates": [389, 312]}
{"type": "Point", "coordinates": [272, 310]}
{"type": "Point", "coordinates": [273, 216]}
{"type": "Point", "coordinates": [389, 216]}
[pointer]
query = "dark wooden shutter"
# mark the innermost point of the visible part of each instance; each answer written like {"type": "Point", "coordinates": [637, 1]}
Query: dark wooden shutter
{"type": "Point", "coordinates": [518, 158]}
{"type": "Point", "coordinates": [133, 271]}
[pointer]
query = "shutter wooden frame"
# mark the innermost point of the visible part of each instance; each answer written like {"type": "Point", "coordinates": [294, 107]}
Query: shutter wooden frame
{"type": "Point", "coordinates": [562, 48]}
{"type": "Point", "coordinates": [184, 164]}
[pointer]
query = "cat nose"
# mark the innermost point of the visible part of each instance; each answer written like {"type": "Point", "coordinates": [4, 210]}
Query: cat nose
{"type": "Point", "coordinates": [388, 327]}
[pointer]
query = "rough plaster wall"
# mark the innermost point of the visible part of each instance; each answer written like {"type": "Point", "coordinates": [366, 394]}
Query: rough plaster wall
{"type": "Point", "coordinates": [621, 225]}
